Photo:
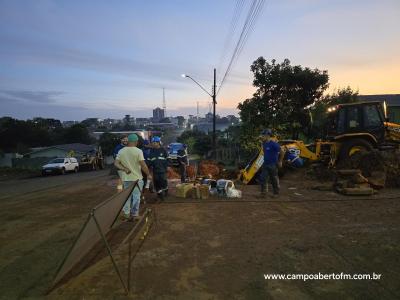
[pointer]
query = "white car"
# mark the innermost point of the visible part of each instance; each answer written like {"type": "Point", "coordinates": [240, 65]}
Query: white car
{"type": "Point", "coordinates": [61, 165]}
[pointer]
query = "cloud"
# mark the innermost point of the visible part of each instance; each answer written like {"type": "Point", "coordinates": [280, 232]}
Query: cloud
{"type": "Point", "coordinates": [25, 50]}
{"type": "Point", "coordinates": [41, 97]}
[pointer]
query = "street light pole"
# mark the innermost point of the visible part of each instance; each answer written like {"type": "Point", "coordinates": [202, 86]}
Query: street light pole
{"type": "Point", "coordinates": [214, 115]}
{"type": "Point", "coordinates": [214, 98]}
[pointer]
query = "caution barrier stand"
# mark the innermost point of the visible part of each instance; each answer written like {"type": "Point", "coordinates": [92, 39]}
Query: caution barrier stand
{"type": "Point", "coordinates": [98, 223]}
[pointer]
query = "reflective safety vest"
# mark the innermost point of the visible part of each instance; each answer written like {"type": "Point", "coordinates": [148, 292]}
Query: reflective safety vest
{"type": "Point", "coordinates": [158, 160]}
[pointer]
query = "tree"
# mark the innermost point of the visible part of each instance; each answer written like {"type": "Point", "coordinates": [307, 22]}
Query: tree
{"type": "Point", "coordinates": [77, 133]}
{"type": "Point", "coordinates": [198, 142]}
{"type": "Point", "coordinates": [283, 94]}
{"type": "Point", "coordinates": [16, 135]}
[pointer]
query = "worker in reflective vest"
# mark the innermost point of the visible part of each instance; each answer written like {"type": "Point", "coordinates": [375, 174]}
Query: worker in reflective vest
{"type": "Point", "coordinates": [158, 162]}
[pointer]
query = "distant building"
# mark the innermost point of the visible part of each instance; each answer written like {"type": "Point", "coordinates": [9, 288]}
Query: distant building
{"type": "Point", "coordinates": [209, 117]}
{"type": "Point", "coordinates": [158, 114]}
{"type": "Point", "coordinates": [392, 101]}
{"type": "Point", "coordinates": [162, 126]}
{"type": "Point", "coordinates": [145, 134]}
{"type": "Point", "coordinates": [67, 124]}
{"type": "Point", "coordinates": [91, 122]}
{"type": "Point", "coordinates": [142, 122]}
{"type": "Point", "coordinates": [128, 120]}
{"type": "Point", "coordinates": [178, 121]}
{"type": "Point", "coordinates": [109, 123]}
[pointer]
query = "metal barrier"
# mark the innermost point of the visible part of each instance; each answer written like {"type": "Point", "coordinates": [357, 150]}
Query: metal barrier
{"type": "Point", "coordinates": [98, 223]}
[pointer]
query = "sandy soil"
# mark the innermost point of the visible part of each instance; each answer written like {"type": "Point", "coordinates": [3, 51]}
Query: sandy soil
{"type": "Point", "coordinates": [213, 249]}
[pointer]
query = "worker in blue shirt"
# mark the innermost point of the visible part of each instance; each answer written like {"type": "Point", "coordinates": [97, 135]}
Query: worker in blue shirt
{"type": "Point", "coordinates": [273, 156]}
{"type": "Point", "coordinates": [122, 144]}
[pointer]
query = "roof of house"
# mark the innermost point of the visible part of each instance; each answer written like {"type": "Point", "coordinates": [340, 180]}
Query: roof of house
{"type": "Point", "coordinates": [76, 147]}
{"type": "Point", "coordinates": [391, 99]}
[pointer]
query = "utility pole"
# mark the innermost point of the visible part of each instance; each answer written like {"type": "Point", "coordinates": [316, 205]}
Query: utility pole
{"type": "Point", "coordinates": [214, 96]}
{"type": "Point", "coordinates": [197, 117]}
{"type": "Point", "coordinates": [164, 103]}
{"type": "Point", "coordinates": [214, 102]}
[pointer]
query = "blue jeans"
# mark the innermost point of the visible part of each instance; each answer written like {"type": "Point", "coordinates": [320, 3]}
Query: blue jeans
{"type": "Point", "coordinates": [131, 207]}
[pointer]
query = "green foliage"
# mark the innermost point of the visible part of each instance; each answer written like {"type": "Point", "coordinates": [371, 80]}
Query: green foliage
{"type": "Point", "coordinates": [198, 142]}
{"type": "Point", "coordinates": [77, 133]}
{"type": "Point", "coordinates": [16, 133]}
{"type": "Point", "coordinates": [19, 136]}
{"type": "Point", "coordinates": [280, 102]}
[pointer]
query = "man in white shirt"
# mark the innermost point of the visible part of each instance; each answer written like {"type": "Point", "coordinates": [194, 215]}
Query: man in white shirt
{"type": "Point", "coordinates": [131, 162]}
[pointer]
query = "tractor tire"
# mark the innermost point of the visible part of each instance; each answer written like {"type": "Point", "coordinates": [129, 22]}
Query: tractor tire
{"type": "Point", "coordinates": [351, 147]}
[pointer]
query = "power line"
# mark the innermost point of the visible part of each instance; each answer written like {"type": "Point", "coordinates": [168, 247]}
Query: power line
{"type": "Point", "coordinates": [253, 21]}
{"type": "Point", "coordinates": [246, 30]}
{"type": "Point", "coordinates": [252, 15]}
{"type": "Point", "coordinates": [232, 28]}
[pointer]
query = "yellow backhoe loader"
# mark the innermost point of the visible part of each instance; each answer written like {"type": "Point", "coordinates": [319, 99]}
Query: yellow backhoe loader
{"type": "Point", "coordinates": [351, 128]}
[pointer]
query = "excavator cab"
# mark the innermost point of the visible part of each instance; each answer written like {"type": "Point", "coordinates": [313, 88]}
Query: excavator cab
{"type": "Point", "coordinates": [357, 119]}
{"type": "Point", "coordinates": [357, 127]}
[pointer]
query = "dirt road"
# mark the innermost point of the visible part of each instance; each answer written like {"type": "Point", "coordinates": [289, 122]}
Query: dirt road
{"type": "Point", "coordinates": [214, 249]}
{"type": "Point", "coordinates": [10, 188]}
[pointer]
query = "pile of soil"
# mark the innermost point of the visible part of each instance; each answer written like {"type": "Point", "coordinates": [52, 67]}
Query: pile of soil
{"type": "Point", "coordinates": [381, 166]}
{"type": "Point", "coordinates": [392, 164]}
{"type": "Point", "coordinates": [229, 174]}
{"type": "Point", "coordinates": [209, 168]}
{"type": "Point", "coordinates": [172, 174]}
{"type": "Point", "coordinates": [190, 171]}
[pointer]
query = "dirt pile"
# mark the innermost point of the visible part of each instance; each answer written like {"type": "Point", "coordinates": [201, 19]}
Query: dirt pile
{"type": "Point", "coordinates": [191, 172]}
{"type": "Point", "coordinates": [381, 168]}
{"type": "Point", "coordinates": [352, 182]}
{"type": "Point", "coordinates": [392, 164]}
{"type": "Point", "coordinates": [229, 174]}
{"type": "Point", "coordinates": [209, 168]}
{"type": "Point", "coordinates": [172, 174]}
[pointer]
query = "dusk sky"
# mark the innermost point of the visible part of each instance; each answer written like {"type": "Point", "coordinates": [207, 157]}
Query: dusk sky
{"type": "Point", "coordinates": [77, 59]}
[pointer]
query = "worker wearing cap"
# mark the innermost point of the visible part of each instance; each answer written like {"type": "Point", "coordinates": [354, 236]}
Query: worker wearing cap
{"type": "Point", "coordinates": [131, 162]}
{"type": "Point", "coordinates": [182, 162]}
{"type": "Point", "coordinates": [273, 157]}
{"type": "Point", "coordinates": [158, 162]}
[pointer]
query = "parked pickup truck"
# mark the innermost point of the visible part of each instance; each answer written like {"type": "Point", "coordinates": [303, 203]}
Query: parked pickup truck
{"type": "Point", "coordinates": [61, 166]}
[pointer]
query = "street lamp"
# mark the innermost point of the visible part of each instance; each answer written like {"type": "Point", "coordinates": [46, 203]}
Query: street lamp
{"type": "Point", "coordinates": [214, 98]}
